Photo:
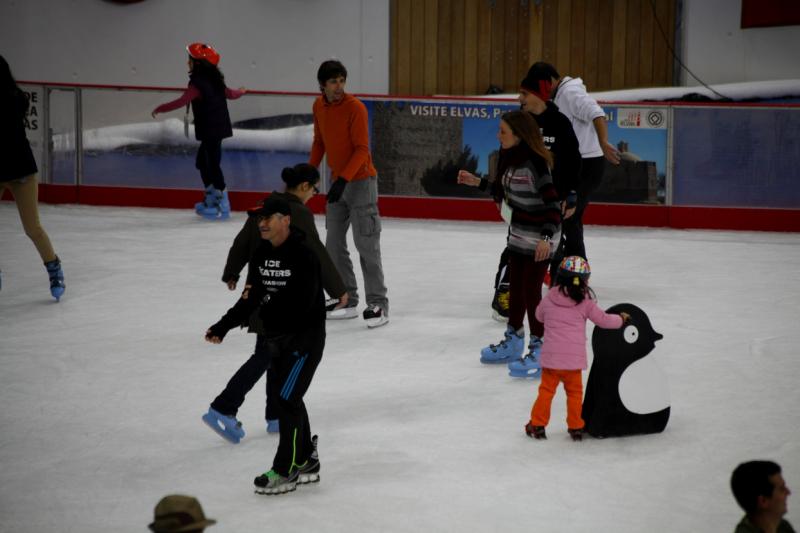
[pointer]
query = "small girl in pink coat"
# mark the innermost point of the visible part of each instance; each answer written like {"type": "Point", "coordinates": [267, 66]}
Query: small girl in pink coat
{"type": "Point", "coordinates": [564, 312]}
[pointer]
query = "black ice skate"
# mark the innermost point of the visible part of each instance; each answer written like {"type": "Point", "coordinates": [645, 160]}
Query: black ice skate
{"type": "Point", "coordinates": [535, 432]}
{"type": "Point", "coordinates": [271, 483]}
{"type": "Point", "coordinates": [576, 434]}
{"type": "Point", "coordinates": [309, 471]}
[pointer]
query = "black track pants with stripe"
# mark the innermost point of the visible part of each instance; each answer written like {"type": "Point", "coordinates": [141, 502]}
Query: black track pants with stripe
{"type": "Point", "coordinates": [293, 372]}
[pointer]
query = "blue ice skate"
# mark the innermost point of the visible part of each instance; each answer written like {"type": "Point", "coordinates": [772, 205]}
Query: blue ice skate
{"type": "Point", "coordinates": [529, 366]}
{"type": "Point", "coordinates": [208, 201]}
{"type": "Point", "coordinates": [226, 427]}
{"type": "Point", "coordinates": [509, 348]}
{"type": "Point", "coordinates": [273, 426]}
{"type": "Point", "coordinates": [57, 285]}
{"type": "Point", "coordinates": [221, 208]}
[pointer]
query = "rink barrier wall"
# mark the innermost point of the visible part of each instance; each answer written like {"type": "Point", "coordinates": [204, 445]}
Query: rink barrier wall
{"type": "Point", "coordinates": [679, 217]}
{"type": "Point", "coordinates": [704, 193]}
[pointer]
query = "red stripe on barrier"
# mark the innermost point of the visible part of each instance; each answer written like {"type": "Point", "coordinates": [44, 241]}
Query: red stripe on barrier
{"type": "Point", "coordinates": [683, 217]}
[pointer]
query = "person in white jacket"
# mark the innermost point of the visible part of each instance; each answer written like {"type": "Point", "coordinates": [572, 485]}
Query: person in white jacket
{"type": "Point", "coordinates": [589, 123]}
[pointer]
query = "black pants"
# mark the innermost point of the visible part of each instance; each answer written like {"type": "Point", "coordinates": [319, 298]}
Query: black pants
{"type": "Point", "coordinates": [208, 162]}
{"type": "Point", "coordinates": [294, 370]}
{"type": "Point", "coordinates": [232, 397]}
{"type": "Point", "coordinates": [572, 228]}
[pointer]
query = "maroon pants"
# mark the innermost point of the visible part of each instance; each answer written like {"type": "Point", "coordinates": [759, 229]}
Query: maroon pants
{"type": "Point", "coordinates": [525, 276]}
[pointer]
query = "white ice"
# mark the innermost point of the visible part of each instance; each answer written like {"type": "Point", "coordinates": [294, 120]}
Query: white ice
{"type": "Point", "coordinates": [101, 394]}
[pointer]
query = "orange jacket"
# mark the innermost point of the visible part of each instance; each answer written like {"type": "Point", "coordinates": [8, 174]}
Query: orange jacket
{"type": "Point", "coordinates": [341, 129]}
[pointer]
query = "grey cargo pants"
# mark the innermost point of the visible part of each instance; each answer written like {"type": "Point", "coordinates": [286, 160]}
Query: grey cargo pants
{"type": "Point", "coordinates": [358, 206]}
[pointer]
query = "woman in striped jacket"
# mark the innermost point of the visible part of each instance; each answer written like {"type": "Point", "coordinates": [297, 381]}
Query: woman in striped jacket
{"type": "Point", "coordinates": [529, 203]}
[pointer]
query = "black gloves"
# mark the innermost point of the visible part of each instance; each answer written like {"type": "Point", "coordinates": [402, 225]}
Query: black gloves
{"type": "Point", "coordinates": [336, 190]}
{"type": "Point", "coordinates": [572, 199]}
{"type": "Point", "coordinates": [217, 330]}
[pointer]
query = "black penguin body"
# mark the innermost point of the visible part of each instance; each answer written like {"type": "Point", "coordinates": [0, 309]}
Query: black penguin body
{"type": "Point", "coordinates": [615, 350]}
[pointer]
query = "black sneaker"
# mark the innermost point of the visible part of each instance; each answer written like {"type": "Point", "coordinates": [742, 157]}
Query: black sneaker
{"type": "Point", "coordinates": [375, 316]}
{"type": "Point", "coordinates": [309, 471]}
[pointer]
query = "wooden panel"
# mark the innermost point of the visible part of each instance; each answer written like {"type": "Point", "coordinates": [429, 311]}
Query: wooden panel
{"type": "Point", "coordinates": [669, 27]}
{"type": "Point", "coordinates": [605, 25]}
{"type": "Point", "coordinates": [550, 32]}
{"type": "Point", "coordinates": [464, 46]}
{"type": "Point", "coordinates": [590, 70]}
{"type": "Point", "coordinates": [471, 47]}
{"type": "Point", "coordinates": [510, 68]}
{"type": "Point", "coordinates": [632, 43]}
{"type": "Point", "coordinates": [417, 68]}
{"type": "Point", "coordinates": [646, 46]}
{"type": "Point", "coordinates": [523, 46]}
{"type": "Point", "coordinates": [536, 39]}
{"type": "Point", "coordinates": [443, 84]}
{"type": "Point", "coordinates": [496, 60]}
{"type": "Point", "coordinates": [404, 47]}
{"type": "Point", "coordinates": [577, 39]}
{"type": "Point", "coordinates": [484, 46]}
{"type": "Point", "coordinates": [431, 51]}
{"type": "Point", "coordinates": [563, 37]}
{"type": "Point", "coordinates": [457, 46]}
{"type": "Point", "coordinates": [618, 38]}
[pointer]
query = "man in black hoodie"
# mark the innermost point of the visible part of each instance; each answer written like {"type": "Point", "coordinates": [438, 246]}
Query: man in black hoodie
{"type": "Point", "coordinates": [284, 283]}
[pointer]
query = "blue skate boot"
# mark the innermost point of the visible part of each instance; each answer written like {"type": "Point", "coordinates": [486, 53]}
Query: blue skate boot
{"type": "Point", "coordinates": [226, 427]}
{"type": "Point", "coordinates": [221, 209]}
{"type": "Point", "coordinates": [57, 285]}
{"type": "Point", "coordinates": [273, 426]}
{"type": "Point", "coordinates": [208, 201]}
{"type": "Point", "coordinates": [509, 348]}
{"type": "Point", "coordinates": [529, 366]}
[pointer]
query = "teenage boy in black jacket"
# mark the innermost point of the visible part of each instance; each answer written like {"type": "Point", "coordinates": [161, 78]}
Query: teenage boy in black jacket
{"type": "Point", "coordinates": [284, 283]}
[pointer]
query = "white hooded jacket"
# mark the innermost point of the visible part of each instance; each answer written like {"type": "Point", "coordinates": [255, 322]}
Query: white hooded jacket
{"type": "Point", "coordinates": [581, 109]}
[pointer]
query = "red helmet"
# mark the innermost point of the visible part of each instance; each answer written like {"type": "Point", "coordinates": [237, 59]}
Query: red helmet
{"type": "Point", "coordinates": [203, 51]}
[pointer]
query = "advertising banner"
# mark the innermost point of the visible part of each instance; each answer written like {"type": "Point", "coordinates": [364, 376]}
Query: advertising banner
{"type": "Point", "coordinates": [419, 146]}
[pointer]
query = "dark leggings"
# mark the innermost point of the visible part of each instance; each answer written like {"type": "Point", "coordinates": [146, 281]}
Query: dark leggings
{"type": "Point", "coordinates": [208, 162]}
{"type": "Point", "coordinates": [525, 279]}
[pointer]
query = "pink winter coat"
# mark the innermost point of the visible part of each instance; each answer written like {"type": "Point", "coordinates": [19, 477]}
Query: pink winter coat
{"type": "Point", "coordinates": [564, 344]}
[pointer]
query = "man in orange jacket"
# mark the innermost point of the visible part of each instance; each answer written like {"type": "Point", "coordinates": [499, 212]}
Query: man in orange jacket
{"type": "Point", "coordinates": [341, 130]}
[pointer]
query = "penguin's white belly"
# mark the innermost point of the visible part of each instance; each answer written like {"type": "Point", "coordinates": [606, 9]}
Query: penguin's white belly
{"type": "Point", "coordinates": [643, 387]}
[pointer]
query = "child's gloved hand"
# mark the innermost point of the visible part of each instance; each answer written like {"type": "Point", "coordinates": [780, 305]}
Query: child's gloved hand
{"type": "Point", "coordinates": [626, 318]}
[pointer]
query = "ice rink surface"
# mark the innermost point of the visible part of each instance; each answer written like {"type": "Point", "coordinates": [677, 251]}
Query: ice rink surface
{"type": "Point", "coordinates": [101, 394]}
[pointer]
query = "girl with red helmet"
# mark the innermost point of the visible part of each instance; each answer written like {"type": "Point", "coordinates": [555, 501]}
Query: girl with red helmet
{"type": "Point", "coordinates": [208, 96]}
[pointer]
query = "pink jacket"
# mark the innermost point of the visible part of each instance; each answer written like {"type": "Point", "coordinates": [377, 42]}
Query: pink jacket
{"type": "Point", "coordinates": [564, 346]}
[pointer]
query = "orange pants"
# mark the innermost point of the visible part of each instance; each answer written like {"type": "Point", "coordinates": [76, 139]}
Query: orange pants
{"type": "Point", "coordinates": [573, 385]}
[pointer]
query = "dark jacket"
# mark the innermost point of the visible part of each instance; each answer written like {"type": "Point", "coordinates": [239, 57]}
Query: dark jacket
{"type": "Point", "coordinates": [211, 118]}
{"type": "Point", "coordinates": [286, 289]}
{"type": "Point", "coordinates": [560, 139]}
{"type": "Point", "coordinates": [249, 238]}
{"type": "Point", "coordinates": [16, 157]}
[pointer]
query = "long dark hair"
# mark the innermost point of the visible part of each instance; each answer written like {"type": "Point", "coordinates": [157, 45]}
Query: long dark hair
{"type": "Point", "coordinates": [531, 146]}
{"type": "Point", "coordinates": [10, 91]}
{"type": "Point", "coordinates": [205, 70]}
